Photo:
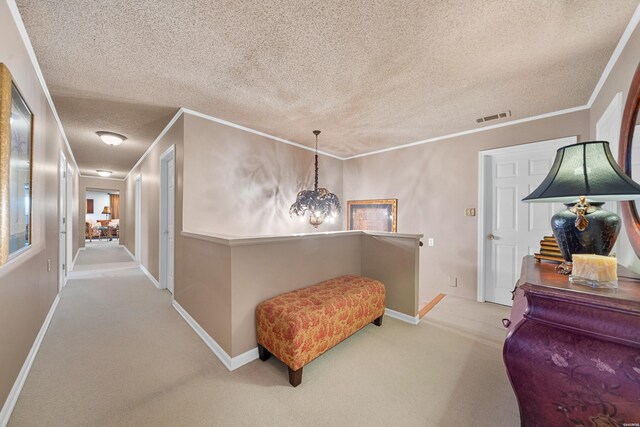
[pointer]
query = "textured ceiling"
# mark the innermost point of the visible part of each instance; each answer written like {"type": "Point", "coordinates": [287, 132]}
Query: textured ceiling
{"type": "Point", "coordinates": [370, 74]}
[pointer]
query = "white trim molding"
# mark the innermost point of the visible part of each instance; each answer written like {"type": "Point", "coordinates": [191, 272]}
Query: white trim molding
{"type": "Point", "coordinates": [10, 403]}
{"type": "Point", "coordinates": [414, 320]}
{"type": "Point", "coordinates": [149, 275]}
{"type": "Point", "coordinates": [75, 258]}
{"type": "Point", "coordinates": [231, 363]}
{"type": "Point", "coordinates": [157, 140]}
{"type": "Point", "coordinates": [183, 111]}
{"type": "Point", "coordinates": [622, 43]}
{"type": "Point", "coordinates": [127, 251]}
{"type": "Point", "coordinates": [257, 132]}
{"type": "Point", "coordinates": [15, 13]}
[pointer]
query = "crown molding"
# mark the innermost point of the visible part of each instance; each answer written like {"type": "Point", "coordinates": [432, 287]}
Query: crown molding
{"type": "Point", "coordinates": [15, 14]}
{"type": "Point", "coordinates": [472, 131]}
{"type": "Point", "coordinates": [622, 43]}
{"type": "Point", "coordinates": [257, 132]}
{"type": "Point", "coordinates": [626, 35]}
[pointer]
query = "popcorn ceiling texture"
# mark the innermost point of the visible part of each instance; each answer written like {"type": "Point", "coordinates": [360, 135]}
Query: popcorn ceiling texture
{"type": "Point", "coordinates": [370, 74]}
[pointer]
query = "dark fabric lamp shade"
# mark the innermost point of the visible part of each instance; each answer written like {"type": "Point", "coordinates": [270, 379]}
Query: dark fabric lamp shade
{"type": "Point", "coordinates": [584, 176]}
{"type": "Point", "coordinates": [585, 169]}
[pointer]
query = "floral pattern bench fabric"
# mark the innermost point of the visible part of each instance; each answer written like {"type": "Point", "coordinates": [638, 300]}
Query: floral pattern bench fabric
{"type": "Point", "coordinates": [299, 326]}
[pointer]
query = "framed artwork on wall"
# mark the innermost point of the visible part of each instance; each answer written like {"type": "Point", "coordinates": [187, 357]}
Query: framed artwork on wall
{"type": "Point", "coordinates": [16, 158]}
{"type": "Point", "coordinates": [89, 206]}
{"type": "Point", "coordinates": [372, 215]}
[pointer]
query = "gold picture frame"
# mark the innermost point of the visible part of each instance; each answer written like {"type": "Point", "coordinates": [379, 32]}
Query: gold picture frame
{"type": "Point", "coordinates": [16, 168]}
{"type": "Point", "coordinates": [373, 215]}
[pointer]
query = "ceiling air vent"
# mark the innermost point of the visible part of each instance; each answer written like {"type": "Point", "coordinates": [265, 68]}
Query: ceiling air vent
{"type": "Point", "coordinates": [494, 117]}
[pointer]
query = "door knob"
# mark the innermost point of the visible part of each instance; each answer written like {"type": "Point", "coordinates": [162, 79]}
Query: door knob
{"type": "Point", "coordinates": [491, 236]}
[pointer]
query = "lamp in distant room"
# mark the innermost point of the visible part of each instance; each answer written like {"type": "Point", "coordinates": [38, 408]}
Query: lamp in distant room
{"type": "Point", "coordinates": [584, 176]}
{"type": "Point", "coordinates": [319, 203]}
{"type": "Point", "coordinates": [111, 138]}
{"type": "Point", "coordinates": [106, 211]}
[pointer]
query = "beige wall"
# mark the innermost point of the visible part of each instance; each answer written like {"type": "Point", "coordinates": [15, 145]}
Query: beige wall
{"type": "Point", "coordinates": [149, 170]}
{"type": "Point", "coordinates": [220, 282]}
{"type": "Point", "coordinates": [239, 183]}
{"type": "Point", "coordinates": [263, 271]}
{"type": "Point", "coordinates": [27, 289]}
{"type": "Point", "coordinates": [92, 183]}
{"type": "Point", "coordinates": [203, 286]}
{"type": "Point", "coordinates": [619, 80]}
{"type": "Point", "coordinates": [395, 262]}
{"type": "Point", "coordinates": [434, 184]}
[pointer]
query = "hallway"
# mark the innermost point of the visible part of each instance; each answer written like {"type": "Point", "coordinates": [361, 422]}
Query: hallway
{"type": "Point", "coordinates": [112, 347]}
{"type": "Point", "coordinates": [117, 353]}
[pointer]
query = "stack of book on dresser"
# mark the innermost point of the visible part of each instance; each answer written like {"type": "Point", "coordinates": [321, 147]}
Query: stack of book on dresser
{"type": "Point", "coordinates": [549, 250]}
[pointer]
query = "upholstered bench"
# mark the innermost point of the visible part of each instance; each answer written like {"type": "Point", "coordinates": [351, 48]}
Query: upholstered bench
{"type": "Point", "coordinates": [299, 326]}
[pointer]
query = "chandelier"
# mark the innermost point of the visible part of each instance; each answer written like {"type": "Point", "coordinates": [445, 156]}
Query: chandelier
{"type": "Point", "coordinates": [320, 204]}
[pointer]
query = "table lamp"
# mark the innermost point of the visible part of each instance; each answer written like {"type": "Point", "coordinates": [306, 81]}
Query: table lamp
{"type": "Point", "coordinates": [106, 211]}
{"type": "Point", "coordinates": [584, 176]}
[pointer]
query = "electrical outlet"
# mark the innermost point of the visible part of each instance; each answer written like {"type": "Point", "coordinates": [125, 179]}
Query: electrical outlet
{"type": "Point", "coordinates": [453, 282]}
{"type": "Point", "coordinates": [431, 242]}
{"type": "Point", "coordinates": [470, 212]}
{"type": "Point", "coordinates": [49, 265]}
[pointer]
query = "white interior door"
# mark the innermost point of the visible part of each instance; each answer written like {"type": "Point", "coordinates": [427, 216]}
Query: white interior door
{"type": "Point", "coordinates": [138, 219]}
{"type": "Point", "coordinates": [62, 221]}
{"type": "Point", "coordinates": [513, 228]}
{"type": "Point", "coordinates": [167, 219]}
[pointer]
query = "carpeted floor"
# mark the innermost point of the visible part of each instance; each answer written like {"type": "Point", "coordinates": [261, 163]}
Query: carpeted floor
{"type": "Point", "coordinates": [117, 353]}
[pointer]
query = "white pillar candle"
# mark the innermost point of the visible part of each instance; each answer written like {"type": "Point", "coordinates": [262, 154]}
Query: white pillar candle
{"type": "Point", "coordinates": [595, 267]}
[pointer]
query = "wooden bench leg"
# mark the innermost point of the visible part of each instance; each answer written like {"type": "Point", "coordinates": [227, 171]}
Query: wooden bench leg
{"type": "Point", "coordinates": [263, 353]}
{"type": "Point", "coordinates": [377, 321]}
{"type": "Point", "coordinates": [295, 377]}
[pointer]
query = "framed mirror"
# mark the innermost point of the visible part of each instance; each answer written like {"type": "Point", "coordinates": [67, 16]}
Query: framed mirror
{"type": "Point", "coordinates": [629, 158]}
{"type": "Point", "coordinates": [16, 154]}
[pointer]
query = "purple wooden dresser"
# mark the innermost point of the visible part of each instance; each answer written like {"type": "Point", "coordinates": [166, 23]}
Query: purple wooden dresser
{"type": "Point", "coordinates": [573, 353]}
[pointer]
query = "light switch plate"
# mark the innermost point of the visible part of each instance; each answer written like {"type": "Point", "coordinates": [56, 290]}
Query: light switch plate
{"type": "Point", "coordinates": [470, 212]}
{"type": "Point", "coordinates": [431, 242]}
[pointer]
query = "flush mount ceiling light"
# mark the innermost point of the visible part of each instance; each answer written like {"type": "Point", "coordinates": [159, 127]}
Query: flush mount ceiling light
{"type": "Point", "coordinates": [319, 202]}
{"type": "Point", "coordinates": [104, 173]}
{"type": "Point", "coordinates": [111, 138]}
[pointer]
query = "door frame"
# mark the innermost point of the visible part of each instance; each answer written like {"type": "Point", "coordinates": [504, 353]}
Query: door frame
{"type": "Point", "coordinates": [166, 157]}
{"type": "Point", "coordinates": [484, 159]}
{"type": "Point", "coordinates": [611, 119]}
{"type": "Point", "coordinates": [70, 211]}
{"type": "Point", "coordinates": [137, 218]}
{"type": "Point", "coordinates": [63, 220]}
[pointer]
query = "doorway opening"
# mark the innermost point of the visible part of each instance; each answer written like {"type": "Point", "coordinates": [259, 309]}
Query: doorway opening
{"type": "Point", "coordinates": [102, 218]}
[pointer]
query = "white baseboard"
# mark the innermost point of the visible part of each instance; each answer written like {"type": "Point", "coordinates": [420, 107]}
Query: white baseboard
{"type": "Point", "coordinates": [414, 320]}
{"type": "Point", "coordinates": [231, 363]}
{"type": "Point", "coordinates": [10, 403]}
{"type": "Point", "coordinates": [75, 258]}
{"type": "Point", "coordinates": [128, 251]}
{"type": "Point", "coordinates": [150, 276]}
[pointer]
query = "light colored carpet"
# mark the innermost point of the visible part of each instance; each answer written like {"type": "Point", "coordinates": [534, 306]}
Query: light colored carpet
{"type": "Point", "coordinates": [97, 253]}
{"type": "Point", "coordinates": [474, 319]}
{"type": "Point", "coordinates": [116, 353]}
